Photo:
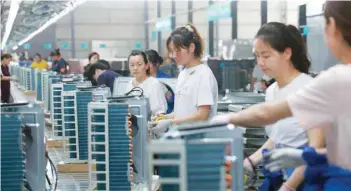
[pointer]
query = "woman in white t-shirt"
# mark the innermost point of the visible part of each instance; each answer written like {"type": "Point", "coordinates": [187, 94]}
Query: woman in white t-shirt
{"type": "Point", "coordinates": [324, 102]}
{"type": "Point", "coordinates": [197, 91]}
{"type": "Point", "coordinates": [281, 54]}
{"type": "Point", "coordinates": [152, 88]}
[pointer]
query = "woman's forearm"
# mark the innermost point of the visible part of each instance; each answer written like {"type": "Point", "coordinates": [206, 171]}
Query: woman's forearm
{"type": "Point", "coordinates": [201, 114]}
{"type": "Point", "coordinates": [5, 78]}
{"type": "Point", "coordinates": [296, 177]}
{"type": "Point", "coordinates": [262, 114]}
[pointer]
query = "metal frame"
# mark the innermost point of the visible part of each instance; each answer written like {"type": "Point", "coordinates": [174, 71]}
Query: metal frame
{"type": "Point", "coordinates": [35, 166]}
{"type": "Point", "coordinates": [55, 126]}
{"type": "Point", "coordinates": [65, 95]}
{"type": "Point", "coordinates": [91, 114]}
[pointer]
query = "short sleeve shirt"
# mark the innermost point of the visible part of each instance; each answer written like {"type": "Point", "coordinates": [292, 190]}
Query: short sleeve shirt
{"type": "Point", "coordinates": [196, 86]}
{"type": "Point", "coordinates": [326, 102]}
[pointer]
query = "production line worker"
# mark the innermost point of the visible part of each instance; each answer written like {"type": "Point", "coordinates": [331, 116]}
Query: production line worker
{"type": "Point", "coordinates": [281, 54]}
{"type": "Point", "coordinates": [103, 75]}
{"type": "Point", "coordinates": [197, 91]}
{"type": "Point", "coordinates": [154, 62]}
{"type": "Point", "coordinates": [5, 78]}
{"type": "Point", "coordinates": [152, 88]}
{"type": "Point", "coordinates": [39, 63]}
{"type": "Point", "coordinates": [92, 59]}
{"type": "Point", "coordinates": [324, 102]}
{"type": "Point", "coordinates": [59, 64]}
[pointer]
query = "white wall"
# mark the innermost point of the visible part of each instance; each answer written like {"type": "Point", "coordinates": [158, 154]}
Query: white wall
{"type": "Point", "coordinates": [119, 21]}
{"type": "Point", "coordinates": [122, 21]}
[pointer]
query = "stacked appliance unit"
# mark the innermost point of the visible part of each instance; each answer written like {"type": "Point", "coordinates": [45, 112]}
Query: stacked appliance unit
{"type": "Point", "coordinates": [57, 105]}
{"type": "Point", "coordinates": [49, 79]}
{"type": "Point", "coordinates": [110, 146]}
{"type": "Point", "coordinates": [39, 86]}
{"type": "Point", "coordinates": [68, 119]}
{"type": "Point", "coordinates": [33, 78]}
{"type": "Point", "coordinates": [199, 156]}
{"type": "Point", "coordinates": [113, 148]}
{"type": "Point", "coordinates": [23, 150]}
{"type": "Point", "coordinates": [75, 118]}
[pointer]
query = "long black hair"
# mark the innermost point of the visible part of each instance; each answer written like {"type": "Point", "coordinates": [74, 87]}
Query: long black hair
{"type": "Point", "coordinates": [280, 36]}
{"type": "Point", "coordinates": [154, 58]}
{"type": "Point", "coordinates": [183, 36]}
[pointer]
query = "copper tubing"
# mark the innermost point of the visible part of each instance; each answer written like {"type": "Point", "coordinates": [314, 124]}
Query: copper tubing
{"type": "Point", "coordinates": [129, 116]}
{"type": "Point", "coordinates": [130, 131]}
{"type": "Point", "coordinates": [130, 124]}
{"type": "Point", "coordinates": [131, 161]}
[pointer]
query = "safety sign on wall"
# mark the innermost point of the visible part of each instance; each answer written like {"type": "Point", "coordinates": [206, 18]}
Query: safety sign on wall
{"type": "Point", "coordinates": [163, 24]}
{"type": "Point", "coordinates": [219, 11]}
{"type": "Point", "coordinates": [65, 45]}
{"type": "Point", "coordinates": [27, 46]}
{"type": "Point", "coordinates": [84, 46]}
{"type": "Point", "coordinates": [47, 46]}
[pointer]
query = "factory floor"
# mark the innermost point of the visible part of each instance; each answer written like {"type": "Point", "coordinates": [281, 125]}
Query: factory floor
{"type": "Point", "coordinates": [66, 181]}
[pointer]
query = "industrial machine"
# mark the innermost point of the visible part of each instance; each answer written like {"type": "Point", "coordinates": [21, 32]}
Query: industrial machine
{"type": "Point", "coordinates": [117, 141]}
{"type": "Point", "coordinates": [23, 151]}
{"type": "Point", "coordinates": [57, 109]}
{"type": "Point", "coordinates": [199, 156]}
{"type": "Point", "coordinates": [75, 123]}
{"type": "Point", "coordinates": [49, 78]}
{"type": "Point", "coordinates": [232, 74]}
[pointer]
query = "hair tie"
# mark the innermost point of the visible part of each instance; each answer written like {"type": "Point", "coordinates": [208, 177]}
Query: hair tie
{"type": "Point", "coordinates": [189, 28]}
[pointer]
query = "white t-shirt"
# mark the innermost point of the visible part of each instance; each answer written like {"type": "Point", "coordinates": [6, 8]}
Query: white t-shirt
{"type": "Point", "coordinates": [153, 89]}
{"type": "Point", "coordinates": [196, 86]}
{"type": "Point", "coordinates": [326, 102]}
{"type": "Point", "coordinates": [287, 131]}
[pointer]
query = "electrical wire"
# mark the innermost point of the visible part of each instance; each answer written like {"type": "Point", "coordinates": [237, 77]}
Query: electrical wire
{"type": "Point", "coordinates": [135, 89]}
{"type": "Point", "coordinates": [254, 177]}
{"type": "Point", "coordinates": [27, 186]}
{"type": "Point", "coordinates": [53, 168]}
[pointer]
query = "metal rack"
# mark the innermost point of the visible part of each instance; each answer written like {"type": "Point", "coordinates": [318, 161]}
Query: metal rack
{"type": "Point", "coordinates": [109, 146]}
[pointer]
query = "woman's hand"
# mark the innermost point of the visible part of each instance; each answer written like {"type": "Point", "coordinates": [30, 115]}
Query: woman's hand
{"type": "Point", "coordinates": [225, 118]}
{"type": "Point", "coordinates": [161, 127]}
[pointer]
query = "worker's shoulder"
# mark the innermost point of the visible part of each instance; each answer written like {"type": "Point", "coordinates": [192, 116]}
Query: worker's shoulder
{"type": "Point", "coordinates": [340, 74]}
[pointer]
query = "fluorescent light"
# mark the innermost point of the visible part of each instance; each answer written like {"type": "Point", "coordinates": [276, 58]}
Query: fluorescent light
{"type": "Point", "coordinates": [15, 47]}
{"type": "Point", "coordinates": [54, 19]}
{"type": "Point", "coordinates": [15, 4]}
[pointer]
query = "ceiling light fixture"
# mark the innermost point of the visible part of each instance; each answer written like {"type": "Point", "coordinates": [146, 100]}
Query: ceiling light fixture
{"type": "Point", "coordinates": [15, 4]}
{"type": "Point", "coordinates": [70, 7]}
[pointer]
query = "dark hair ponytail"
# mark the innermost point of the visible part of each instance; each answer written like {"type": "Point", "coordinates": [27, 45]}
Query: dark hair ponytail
{"type": "Point", "coordinates": [153, 57]}
{"type": "Point", "coordinates": [183, 36]}
{"type": "Point", "coordinates": [280, 37]}
{"type": "Point", "coordinates": [55, 52]}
